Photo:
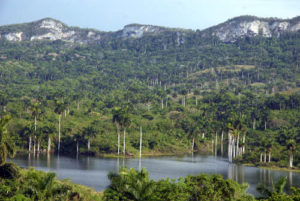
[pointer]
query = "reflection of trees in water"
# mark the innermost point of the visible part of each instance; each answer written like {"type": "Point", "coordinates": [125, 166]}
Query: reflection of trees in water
{"type": "Point", "coordinates": [48, 160]}
{"type": "Point", "coordinates": [236, 173]}
{"type": "Point", "coordinates": [290, 178]}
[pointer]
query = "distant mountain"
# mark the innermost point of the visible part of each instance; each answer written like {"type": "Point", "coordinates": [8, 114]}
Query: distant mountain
{"type": "Point", "coordinates": [229, 31]}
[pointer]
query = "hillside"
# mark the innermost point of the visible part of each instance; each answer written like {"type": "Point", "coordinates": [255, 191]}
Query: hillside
{"type": "Point", "coordinates": [185, 88]}
{"type": "Point", "coordinates": [229, 31]}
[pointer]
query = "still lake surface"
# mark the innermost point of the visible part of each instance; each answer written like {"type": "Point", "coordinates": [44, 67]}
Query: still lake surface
{"type": "Point", "coordinates": [92, 171]}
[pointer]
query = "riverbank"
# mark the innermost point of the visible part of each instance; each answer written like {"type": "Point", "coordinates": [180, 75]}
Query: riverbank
{"type": "Point", "coordinates": [272, 167]}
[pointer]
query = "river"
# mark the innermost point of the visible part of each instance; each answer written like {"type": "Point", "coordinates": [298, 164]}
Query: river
{"type": "Point", "coordinates": [92, 171]}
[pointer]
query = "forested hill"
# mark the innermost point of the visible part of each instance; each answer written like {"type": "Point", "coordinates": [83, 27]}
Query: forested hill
{"type": "Point", "coordinates": [229, 31]}
{"type": "Point", "coordinates": [179, 84]}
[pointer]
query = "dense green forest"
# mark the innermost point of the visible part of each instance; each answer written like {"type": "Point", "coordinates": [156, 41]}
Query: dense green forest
{"type": "Point", "coordinates": [182, 94]}
{"type": "Point", "coordinates": [191, 96]}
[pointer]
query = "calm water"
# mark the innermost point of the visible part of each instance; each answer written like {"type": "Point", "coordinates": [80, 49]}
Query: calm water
{"type": "Point", "coordinates": [93, 172]}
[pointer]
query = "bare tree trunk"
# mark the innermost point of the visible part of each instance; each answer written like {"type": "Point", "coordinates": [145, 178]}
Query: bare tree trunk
{"type": "Point", "coordinates": [34, 144]}
{"type": "Point", "coordinates": [265, 125]}
{"type": "Point", "coordinates": [38, 146]}
{"type": "Point", "coordinates": [233, 147]}
{"type": "Point", "coordinates": [216, 144]}
{"type": "Point", "coordinates": [124, 148]}
{"type": "Point", "coordinates": [141, 140]}
{"type": "Point", "coordinates": [77, 105]}
{"type": "Point", "coordinates": [35, 123]}
{"type": "Point", "coordinates": [49, 144]}
{"type": "Point", "coordinates": [260, 157]}
{"type": "Point", "coordinates": [89, 144]}
{"type": "Point", "coordinates": [244, 145]}
{"type": "Point", "coordinates": [196, 101]}
{"type": "Point", "coordinates": [193, 144]}
{"type": "Point", "coordinates": [162, 104]}
{"type": "Point", "coordinates": [59, 119]}
{"type": "Point", "coordinates": [222, 138]}
{"type": "Point", "coordinates": [229, 147]}
{"type": "Point", "coordinates": [254, 124]}
{"type": "Point", "coordinates": [29, 145]}
{"type": "Point", "coordinates": [265, 157]}
{"type": "Point", "coordinates": [291, 160]}
{"type": "Point", "coordinates": [203, 135]}
{"type": "Point", "coordinates": [269, 156]}
{"type": "Point", "coordinates": [118, 130]}
{"type": "Point", "coordinates": [237, 145]}
{"type": "Point", "coordinates": [77, 147]}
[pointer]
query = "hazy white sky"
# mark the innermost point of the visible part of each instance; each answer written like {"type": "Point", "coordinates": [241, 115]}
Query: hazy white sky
{"type": "Point", "coordinates": [111, 15]}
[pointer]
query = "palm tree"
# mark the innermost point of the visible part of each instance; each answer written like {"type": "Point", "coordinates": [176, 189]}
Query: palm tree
{"type": "Point", "coordinates": [134, 185]}
{"type": "Point", "coordinates": [77, 138]}
{"type": "Point", "coordinates": [277, 188]}
{"type": "Point", "coordinates": [60, 107]}
{"type": "Point", "coordinates": [270, 143]}
{"type": "Point", "coordinates": [6, 144]}
{"type": "Point", "coordinates": [89, 132]}
{"type": "Point", "coordinates": [291, 146]}
{"type": "Point", "coordinates": [117, 116]}
{"type": "Point", "coordinates": [28, 131]}
{"type": "Point", "coordinates": [125, 123]}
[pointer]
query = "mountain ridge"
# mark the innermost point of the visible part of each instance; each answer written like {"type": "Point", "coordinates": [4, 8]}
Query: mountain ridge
{"type": "Point", "coordinates": [228, 31]}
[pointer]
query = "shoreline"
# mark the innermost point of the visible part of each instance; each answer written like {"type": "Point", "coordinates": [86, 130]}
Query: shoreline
{"type": "Point", "coordinates": [270, 167]}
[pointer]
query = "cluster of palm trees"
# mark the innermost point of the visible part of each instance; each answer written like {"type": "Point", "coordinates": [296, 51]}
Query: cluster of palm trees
{"type": "Point", "coordinates": [236, 139]}
{"type": "Point", "coordinates": [122, 120]}
{"type": "Point", "coordinates": [35, 133]}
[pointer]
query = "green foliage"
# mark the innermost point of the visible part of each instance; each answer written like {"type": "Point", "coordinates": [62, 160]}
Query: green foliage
{"type": "Point", "coordinates": [37, 185]}
{"type": "Point", "coordinates": [135, 185]}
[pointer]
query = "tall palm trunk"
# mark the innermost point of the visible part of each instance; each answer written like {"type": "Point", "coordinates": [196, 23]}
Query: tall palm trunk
{"type": "Point", "coordinates": [237, 145]}
{"type": "Point", "coordinates": [30, 142]}
{"type": "Point", "coordinates": [141, 141]}
{"type": "Point", "coordinates": [118, 131]}
{"type": "Point", "coordinates": [260, 157]}
{"type": "Point", "coordinates": [269, 156]}
{"type": "Point", "coordinates": [291, 160]}
{"type": "Point", "coordinates": [233, 147]}
{"type": "Point", "coordinates": [49, 144]}
{"type": "Point", "coordinates": [254, 124]}
{"type": "Point", "coordinates": [124, 139]}
{"type": "Point", "coordinates": [193, 145]}
{"type": "Point", "coordinates": [244, 140]}
{"type": "Point", "coordinates": [222, 138]}
{"type": "Point", "coordinates": [229, 147]}
{"type": "Point", "coordinates": [35, 122]}
{"type": "Point", "coordinates": [38, 145]}
{"type": "Point", "coordinates": [216, 144]}
{"type": "Point", "coordinates": [89, 144]}
{"type": "Point", "coordinates": [77, 147]}
{"type": "Point", "coordinates": [34, 144]}
{"type": "Point", "coordinates": [59, 119]}
{"type": "Point", "coordinates": [265, 125]}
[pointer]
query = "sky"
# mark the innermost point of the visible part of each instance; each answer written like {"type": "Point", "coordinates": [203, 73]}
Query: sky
{"type": "Point", "coordinates": [112, 15]}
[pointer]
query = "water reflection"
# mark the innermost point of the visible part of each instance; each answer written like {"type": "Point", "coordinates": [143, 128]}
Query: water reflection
{"type": "Point", "coordinates": [93, 171]}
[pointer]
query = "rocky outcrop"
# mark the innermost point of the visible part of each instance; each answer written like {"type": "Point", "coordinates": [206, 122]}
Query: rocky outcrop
{"type": "Point", "coordinates": [249, 26]}
{"type": "Point", "coordinates": [229, 31]}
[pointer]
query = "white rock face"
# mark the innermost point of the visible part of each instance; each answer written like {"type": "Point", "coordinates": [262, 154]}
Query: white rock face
{"type": "Point", "coordinates": [234, 29]}
{"type": "Point", "coordinates": [54, 32]}
{"type": "Point", "coordinates": [93, 35]}
{"type": "Point", "coordinates": [137, 31]}
{"type": "Point", "coordinates": [14, 36]}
